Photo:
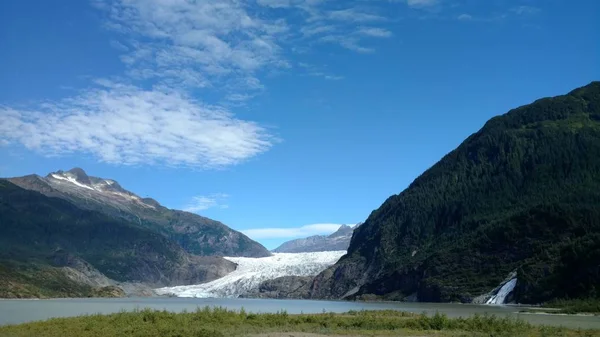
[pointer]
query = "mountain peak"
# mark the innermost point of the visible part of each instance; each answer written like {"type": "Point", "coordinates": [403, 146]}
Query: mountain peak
{"type": "Point", "coordinates": [106, 187]}
{"type": "Point", "coordinates": [80, 175]}
{"type": "Point", "coordinates": [75, 175]}
{"type": "Point", "coordinates": [339, 240]}
{"type": "Point", "coordinates": [77, 171]}
{"type": "Point", "coordinates": [344, 230]}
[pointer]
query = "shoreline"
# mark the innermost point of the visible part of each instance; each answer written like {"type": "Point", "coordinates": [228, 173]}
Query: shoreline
{"type": "Point", "coordinates": [220, 322]}
{"type": "Point", "coordinates": [136, 302]}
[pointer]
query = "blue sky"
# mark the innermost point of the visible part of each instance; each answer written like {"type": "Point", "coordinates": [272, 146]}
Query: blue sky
{"type": "Point", "coordinates": [281, 118]}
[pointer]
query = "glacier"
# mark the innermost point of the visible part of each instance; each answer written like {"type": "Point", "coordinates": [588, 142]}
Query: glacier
{"type": "Point", "coordinates": [251, 272]}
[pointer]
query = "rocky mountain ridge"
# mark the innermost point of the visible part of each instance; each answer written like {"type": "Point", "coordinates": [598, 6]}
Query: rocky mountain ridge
{"type": "Point", "coordinates": [196, 234]}
{"type": "Point", "coordinates": [339, 240]}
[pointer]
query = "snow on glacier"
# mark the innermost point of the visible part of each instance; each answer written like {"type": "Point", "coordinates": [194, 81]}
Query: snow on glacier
{"type": "Point", "coordinates": [251, 272]}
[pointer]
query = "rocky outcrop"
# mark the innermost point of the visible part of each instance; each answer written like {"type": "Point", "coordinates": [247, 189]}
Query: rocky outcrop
{"type": "Point", "coordinates": [283, 287]}
{"type": "Point", "coordinates": [200, 271]}
{"type": "Point", "coordinates": [80, 271]}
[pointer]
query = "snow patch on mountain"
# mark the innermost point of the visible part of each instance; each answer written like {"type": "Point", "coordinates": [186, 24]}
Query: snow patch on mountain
{"type": "Point", "coordinates": [101, 188]}
{"type": "Point", "coordinates": [251, 272]}
{"type": "Point", "coordinates": [72, 180]}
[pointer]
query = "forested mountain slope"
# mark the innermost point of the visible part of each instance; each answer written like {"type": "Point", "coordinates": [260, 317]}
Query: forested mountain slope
{"type": "Point", "coordinates": [39, 235]}
{"type": "Point", "coordinates": [196, 234]}
{"type": "Point", "coordinates": [522, 194]}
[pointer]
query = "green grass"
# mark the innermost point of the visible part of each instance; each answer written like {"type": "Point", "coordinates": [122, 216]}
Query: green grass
{"type": "Point", "coordinates": [575, 306]}
{"type": "Point", "coordinates": [222, 322]}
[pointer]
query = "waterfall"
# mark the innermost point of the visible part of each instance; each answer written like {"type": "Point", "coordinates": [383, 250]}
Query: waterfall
{"type": "Point", "coordinates": [500, 296]}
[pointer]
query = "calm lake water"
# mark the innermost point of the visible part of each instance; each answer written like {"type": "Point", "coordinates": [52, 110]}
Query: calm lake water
{"type": "Point", "coordinates": [19, 311]}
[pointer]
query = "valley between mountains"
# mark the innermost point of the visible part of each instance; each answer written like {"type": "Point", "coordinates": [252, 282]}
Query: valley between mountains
{"type": "Point", "coordinates": [512, 215]}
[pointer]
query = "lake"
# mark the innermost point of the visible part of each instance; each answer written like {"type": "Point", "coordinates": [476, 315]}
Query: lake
{"type": "Point", "coordinates": [20, 311]}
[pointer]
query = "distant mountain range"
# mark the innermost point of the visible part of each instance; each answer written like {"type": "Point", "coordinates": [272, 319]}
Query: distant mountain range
{"type": "Point", "coordinates": [71, 235]}
{"type": "Point", "coordinates": [319, 243]}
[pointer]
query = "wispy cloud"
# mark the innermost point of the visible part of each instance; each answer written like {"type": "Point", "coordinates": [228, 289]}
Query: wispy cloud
{"type": "Point", "coordinates": [205, 42]}
{"type": "Point", "coordinates": [238, 97]}
{"type": "Point", "coordinates": [123, 124]}
{"type": "Point", "coordinates": [374, 32]}
{"type": "Point", "coordinates": [148, 116]}
{"type": "Point", "coordinates": [291, 232]}
{"type": "Point", "coordinates": [421, 3]}
{"type": "Point", "coordinates": [327, 76]}
{"type": "Point", "coordinates": [316, 71]}
{"type": "Point", "coordinates": [275, 3]}
{"type": "Point", "coordinates": [204, 202]}
{"type": "Point", "coordinates": [175, 51]}
{"type": "Point", "coordinates": [324, 22]}
{"type": "Point", "coordinates": [311, 30]}
{"type": "Point", "coordinates": [348, 42]}
{"type": "Point", "coordinates": [465, 17]}
{"type": "Point", "coordinates": [525, 10]}
{"type": "Point", "coordinates": [354, 15]}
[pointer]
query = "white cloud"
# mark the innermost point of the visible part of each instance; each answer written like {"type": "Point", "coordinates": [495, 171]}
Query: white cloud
{"type": "Point", "coordinates": [348, 42]}
{"type": "Point", "coordinates": [123, 124]}
{"type": "Point", "coordinates": [421, 3]}
{"type": "Point", "coordinates": [275, 3]}
{"type": "Point", "coordinates": [317, 29]}
{"type": "Point", "coordinates": [217, 43]}
{"type": "Point", "coordinates": [464, 17]}
{"type": "Point", "coordinates": [313, 70]}
{"type": "Point", "coordinates": [238, 97]}
{"type": "Point", "coordinates": [174, 51]}
{"type": "Point", "coordinates": [206, 42]}
{"type": "Point", "coordinates": [525, 10]}
{"type": "Point", "coordinates": [374, 32]}
{"type": "Point", "coordinates": [326, 76]}
{"type": "Point", "coordinates": [202, 202]}
{"type": "Point", "coordinates": [354, 15]}
{"type": "Point", "coordinates": [291, 232]}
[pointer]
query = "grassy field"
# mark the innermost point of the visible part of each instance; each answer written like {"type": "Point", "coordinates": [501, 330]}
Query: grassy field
{"type": "Point", "coordinates": [221, 322]}
{"type": "Point", "coordinates": [590, 306]}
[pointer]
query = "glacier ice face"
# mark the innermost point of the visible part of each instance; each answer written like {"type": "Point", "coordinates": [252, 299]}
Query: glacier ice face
{"type": "Point", "coordinates": [506, 289]}
{"type": "Point", "coordinates": [251, 272]}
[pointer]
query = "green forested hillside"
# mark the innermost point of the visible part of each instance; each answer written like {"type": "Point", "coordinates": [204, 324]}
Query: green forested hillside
{"type": "Point", "coordinates": [196, 234]}
{"type": "Point", "coordinates": [37, 231]}
{"type": "Point", "coordinates": [522, 194]}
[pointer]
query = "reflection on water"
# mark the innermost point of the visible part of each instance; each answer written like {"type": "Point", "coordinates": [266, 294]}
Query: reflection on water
{"type": "Point", "coordinates": [19, 311]}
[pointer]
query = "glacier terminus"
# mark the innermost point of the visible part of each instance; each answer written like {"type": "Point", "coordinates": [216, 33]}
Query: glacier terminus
{"type": "Point", "coordinates": [251, 272]}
